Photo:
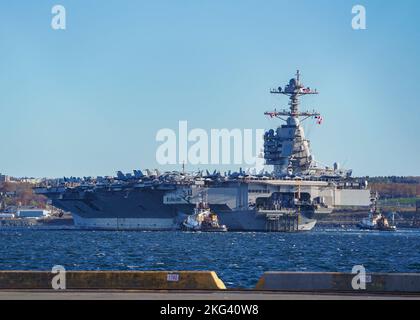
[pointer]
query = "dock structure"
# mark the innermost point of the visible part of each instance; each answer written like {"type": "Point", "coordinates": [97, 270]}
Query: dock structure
{"type": "Point", "coordinates": [159, 295]}
{"type": "Point", "coordinates": [192, 285]}
{"type": "Point", "coordinates": [112, 280]}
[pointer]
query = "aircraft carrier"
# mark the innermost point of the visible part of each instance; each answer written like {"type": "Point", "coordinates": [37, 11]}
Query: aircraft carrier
{"type": "Point", "coordinates": [286, 199]}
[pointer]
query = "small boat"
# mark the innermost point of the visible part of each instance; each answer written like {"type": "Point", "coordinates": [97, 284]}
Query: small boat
{"type": "Point", "coordinates": [203, 220]}
{"type": "Point", "coordinates": [306, 224]}
{"type": "Point", "coordinates": [376, 220]}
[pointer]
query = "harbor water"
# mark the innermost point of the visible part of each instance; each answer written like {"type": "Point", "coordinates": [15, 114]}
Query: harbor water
{"type": "Point", "coordinates": [238, 258]}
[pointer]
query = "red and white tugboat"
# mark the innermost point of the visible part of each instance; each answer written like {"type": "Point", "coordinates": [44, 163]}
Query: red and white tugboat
{"type": "Point", "coordinates": [203, 220]}
{"type": "Point", "coordinates": [376, 220]}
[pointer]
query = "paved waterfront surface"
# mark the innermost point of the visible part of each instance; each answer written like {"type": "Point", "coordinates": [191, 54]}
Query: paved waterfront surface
{"type": "Point", "coordinates": [187, 295]}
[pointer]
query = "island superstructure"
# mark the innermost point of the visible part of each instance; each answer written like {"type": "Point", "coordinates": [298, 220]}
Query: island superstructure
{"type": "Point", "coordinates": [286, 199]}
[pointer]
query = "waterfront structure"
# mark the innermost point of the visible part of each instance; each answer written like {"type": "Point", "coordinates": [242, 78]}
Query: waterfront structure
{"type": "Point", "coordinates": [4, 178]}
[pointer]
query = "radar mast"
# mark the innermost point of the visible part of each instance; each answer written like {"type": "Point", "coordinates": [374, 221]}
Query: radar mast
{"type": "Point", "coordinates": [286, 147]}
{"type": "Point", "coordinates": [294, 90]}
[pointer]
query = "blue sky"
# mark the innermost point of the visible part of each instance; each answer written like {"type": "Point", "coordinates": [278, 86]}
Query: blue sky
{"type": "Point", "coordinates": [89, 100]}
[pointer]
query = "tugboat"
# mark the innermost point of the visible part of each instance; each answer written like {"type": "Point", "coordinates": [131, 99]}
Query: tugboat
{"type": "Point", "coordinates": [376, 220]}
{"type": "Point", "coordinates": [203, 220]}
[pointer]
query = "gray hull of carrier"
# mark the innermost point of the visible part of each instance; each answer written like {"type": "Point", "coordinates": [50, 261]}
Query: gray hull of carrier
{"type": "Point", "coordinates": [239, 205]}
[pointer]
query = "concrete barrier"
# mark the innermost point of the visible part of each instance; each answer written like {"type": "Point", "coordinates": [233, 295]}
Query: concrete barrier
{"type": "Point", "coordinates": [338, 282]}
{"type": "Point", "coordinates": [140, 280]}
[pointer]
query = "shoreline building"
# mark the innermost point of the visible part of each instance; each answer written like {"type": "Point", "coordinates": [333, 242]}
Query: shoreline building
{"type": "Point", "coordinates": [4, 178]}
